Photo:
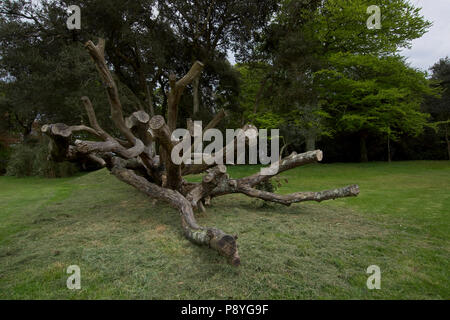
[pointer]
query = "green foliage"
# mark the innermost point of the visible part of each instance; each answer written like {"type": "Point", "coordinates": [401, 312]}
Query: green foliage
{"type": "Point", "coordinates": [5, 154]}
{"type": "Point", "coordinates": [439, 107]}
{"type": "Point", "coordinates": [376, 95]}
{"type": "Point", "coordinates": [307, 37]}
{"type": "Point", "coordinates": [341, 26]}
{"type": "Point", "coordinates": [267, 185]}
{"type": "Point", "coordinates": [30, 159]}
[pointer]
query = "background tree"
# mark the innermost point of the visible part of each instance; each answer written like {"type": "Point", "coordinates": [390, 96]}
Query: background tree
{"type": "Point", "coordinates": [439, 107]}
{"type": "Point", "coordinates": [367, 95]}
{"type": "Point", "coordinates": [305, 34]}
{"type": "Point", "coordinates": [44, 70]}
{"type": "Point", "coordinates": [209, 29]}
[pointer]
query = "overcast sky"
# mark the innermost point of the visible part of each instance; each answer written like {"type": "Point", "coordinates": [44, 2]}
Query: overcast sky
{"type": "Point", "coordinates": [435, 44]}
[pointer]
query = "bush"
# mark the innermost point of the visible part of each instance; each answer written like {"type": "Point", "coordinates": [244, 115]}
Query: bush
{"type": "Point", "coordinates": [30, 159]}
{"type": "Point", "coordinates": [268, 186]}
{"type": "Point", "coordinates": [5, 153]}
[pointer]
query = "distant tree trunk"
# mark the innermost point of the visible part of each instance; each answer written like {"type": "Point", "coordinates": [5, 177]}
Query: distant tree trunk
{"type": "Point", "coordinates": [259, 94]}
{"type": "Point", "coordinates": [389, 148]}
{"type": "Point", "coordinates": [195, 88]}
{"type": "Point", "coordinates": [448, 141]}
{"type": "Point", "coordinates": [26, 132]}
{"type": "Point", "coordinates": [363, 147]}
{"type": "Point", "coordinates": [150, 100]}
{"type": "Point", "coordinates": [310, 143]}
{"type": "Point", "coordinates": [27, 126]}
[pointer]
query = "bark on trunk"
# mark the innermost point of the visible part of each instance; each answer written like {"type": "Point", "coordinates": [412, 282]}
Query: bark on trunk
{"type": "Point", "coordinates": [363, 147]}
{"type": "Point", "coordinates": [448, 141]}
{"type": "Point", "coordinates": [389, 148]}
{"type": "Point", "coordinates": [214, 238]}
{"type": "Point", "coordinates": [310, 143]}
{"type": "Point", "coordinates": [196, 93]}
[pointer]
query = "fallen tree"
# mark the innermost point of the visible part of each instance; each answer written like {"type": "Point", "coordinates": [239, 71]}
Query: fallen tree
{"type": "Point", "coordinates": [133, 160]}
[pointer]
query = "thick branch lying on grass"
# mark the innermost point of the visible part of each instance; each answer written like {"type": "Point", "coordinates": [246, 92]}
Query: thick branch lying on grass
{"type": "Point", "coordinates": [245, 185]}
{"type": "Point", "coordinates": [209, 182]}
{"type": "Point", "coordinates": [292, 161]}
{"type": "Point", "coordinates": [214, 238]}
{"type": "Point", "coordinates": [288, 199]}
{"type": "Point", "coordinates": [135, 162]}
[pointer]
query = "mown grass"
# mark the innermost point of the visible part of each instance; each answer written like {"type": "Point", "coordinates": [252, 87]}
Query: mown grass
{"type": "Point", "coordinates": [129, 248]}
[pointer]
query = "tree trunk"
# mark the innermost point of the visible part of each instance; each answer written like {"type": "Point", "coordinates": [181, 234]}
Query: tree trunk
{"type": "Point", "coordinates": [150, 100]}
{"type": "Point", "coordinates": [310, 143]}
{"type": "Point", "coordinates": [195, 88]}
{"type": "Point", "coordinates": [448, 141]}
{"type": "Point", "coordinates": [363, 147]}
{"type": "Point", "coordinates": [389, 148]}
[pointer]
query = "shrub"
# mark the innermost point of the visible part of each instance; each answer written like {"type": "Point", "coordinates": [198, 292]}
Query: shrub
{"type": "Point", "coordinates": [30, 159]}
{"type": "Point", "coordinates": [5, 154]}
{"type": "Point", "coordinates": [267, 185]}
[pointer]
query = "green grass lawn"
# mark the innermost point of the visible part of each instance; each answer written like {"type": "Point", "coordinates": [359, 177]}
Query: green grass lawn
{"type": "Point", "coordinates": [129, 248]}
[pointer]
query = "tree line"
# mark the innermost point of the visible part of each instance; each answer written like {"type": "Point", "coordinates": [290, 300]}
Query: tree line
{"type": "Point", "coordinates": [311, 68]}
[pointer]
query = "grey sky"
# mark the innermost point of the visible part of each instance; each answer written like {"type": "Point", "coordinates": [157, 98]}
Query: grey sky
{"type": "Point", "coordinates": [435, 44]}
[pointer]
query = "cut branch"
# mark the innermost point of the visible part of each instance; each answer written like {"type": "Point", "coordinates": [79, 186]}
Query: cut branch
{"type": "Point", "coordinates": [214, 238]}
{"type": "Point", "coordinates": [292, 161]}
{"type": "Point", "coordinates": [110, 146]}
{"type": "Point", "coordinates": [97, 54]}
{"type": "Point", "coordinates": [288, 199]}
{"type": "Point", "coordinates": [209, 182]}
{"type": "Point", "coordinates": [139, 123]}
{"type": "Point", "coordinates": [216, 120]}
{"type": "Point", "coordinates": [162, 132]}
{"type": "Point", "coordinates": [64, 131]}
{"type": "Point", "coordinates": [93, 119]}
{"type": "Point", "coordinates": [177, 89]}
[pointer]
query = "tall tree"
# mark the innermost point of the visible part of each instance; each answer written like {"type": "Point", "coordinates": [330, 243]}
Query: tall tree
{"type": "Point", "coordinates": [42, 74]}
{"type": "Point", "coordinates": [367, 95]}
{"type": "Point", "coordinates": [211, 28]}
{"type": "Point", "coordinates": [305, 34]}
{"type": "Point", "coordinates": [439, 107]}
